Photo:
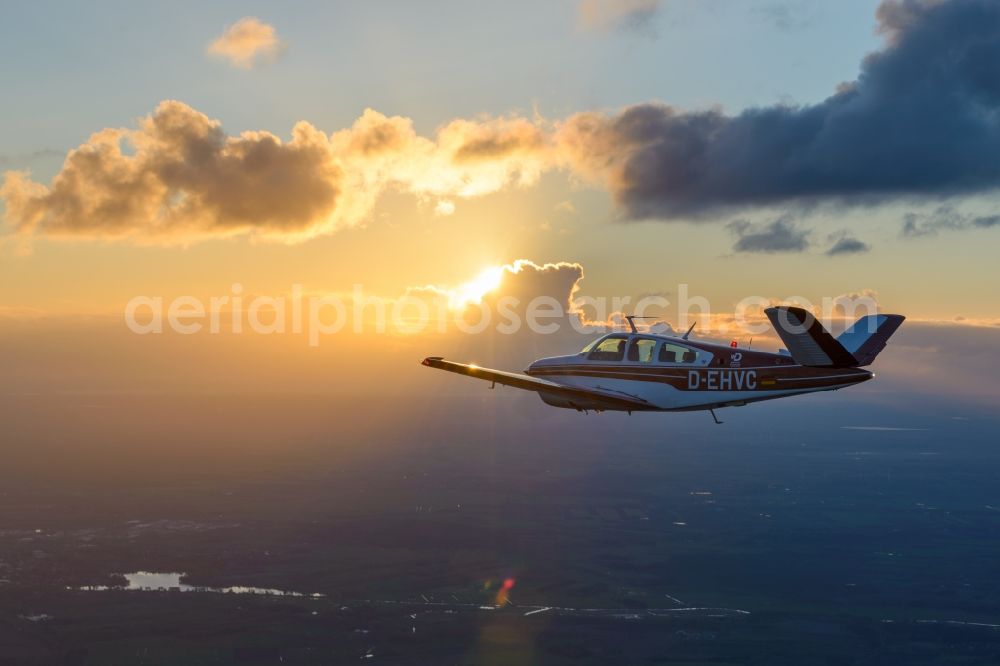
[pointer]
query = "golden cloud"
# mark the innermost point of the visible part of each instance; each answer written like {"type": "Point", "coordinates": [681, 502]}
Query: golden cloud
{"type": "Point", "coordinates": [181, 177]}
{"type": "Point", "coordinates": [178, 177]}
{"type": "Point", "coordinates": [247, 42]}
{"type": "Point", "coordinates": [522, 279]}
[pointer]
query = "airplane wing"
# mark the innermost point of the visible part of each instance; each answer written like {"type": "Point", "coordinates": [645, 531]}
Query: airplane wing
{"type": "Point", "coordinates": [582, 398]}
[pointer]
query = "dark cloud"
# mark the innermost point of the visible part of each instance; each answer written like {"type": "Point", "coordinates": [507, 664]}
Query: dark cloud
{"type": "Point", "coordinates": [844, 244]}
{"type": "Point", "coordinates": [781, 235]}
{"type": "Point", "coordinates": [921, 119]}
{"type": "Point", "coordinates": [525, 280]}
{"type": "Point", "coordinates": [986, 221]}
{"type": "Point", "coordinates": [944, 218]}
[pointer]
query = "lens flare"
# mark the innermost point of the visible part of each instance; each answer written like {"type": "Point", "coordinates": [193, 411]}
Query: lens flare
{"type": "Point", "coordinates": [503, 596]}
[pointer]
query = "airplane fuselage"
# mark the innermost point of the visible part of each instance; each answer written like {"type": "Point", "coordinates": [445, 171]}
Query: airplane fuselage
{"type": "Point", "coordinates": [674, 374]}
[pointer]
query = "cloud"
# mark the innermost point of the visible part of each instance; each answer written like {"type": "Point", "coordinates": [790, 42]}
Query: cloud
{"type": "Point", "coordinates": [918, 121]}
{"type": "Point", "coordinates": [182, 177]}
{"type": "Point", "coordinates": [179, 177]}
{"type": "Point", "coordinates": [845, 244]}
{"type": "Point", "coordinates": [522, 279]}
{"type": "Point", "coordinates": [944, 218]}
{"type": "Point", "coordinates": [525, 280]}
{"type": "Point", "coordinates": [247, 42]}
{"type": "Point", "coordinates": [781, 235]}
{"type": "Point", "coordinates": [501, 302]}
{"type": "Point", "coordinates": [510, 293]}
{"type": "Point", "coordinates": [444, 207]}
{"type": "Point", "coordinates": [605, 14]}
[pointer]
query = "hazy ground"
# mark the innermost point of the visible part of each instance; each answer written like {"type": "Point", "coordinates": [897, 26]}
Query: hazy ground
{"type": "Point", "coordinates": [814, 544]}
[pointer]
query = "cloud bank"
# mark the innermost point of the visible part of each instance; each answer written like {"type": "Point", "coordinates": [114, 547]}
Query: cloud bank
{"type": "Point", "coordinates": [180, 177]}
{"type": "Point", "coordinates": [246, 43]}
{"type": "Point", "coordinates": [922, 120]}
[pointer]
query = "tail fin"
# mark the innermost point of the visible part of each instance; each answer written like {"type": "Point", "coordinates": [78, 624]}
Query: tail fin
{"type": "Point", "coordinates": [868, 336]}
{"type": "Point", "coordinates": [806, 339]}
{"type": "Point", "coordinates": [812, 345]}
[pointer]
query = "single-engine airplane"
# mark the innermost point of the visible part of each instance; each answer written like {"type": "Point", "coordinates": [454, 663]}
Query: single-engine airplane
{"type": "Point", "coordinates": [642, 372]}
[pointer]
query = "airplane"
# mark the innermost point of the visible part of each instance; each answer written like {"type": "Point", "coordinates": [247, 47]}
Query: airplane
{"type": "Point", "coordinates": [643, 372]}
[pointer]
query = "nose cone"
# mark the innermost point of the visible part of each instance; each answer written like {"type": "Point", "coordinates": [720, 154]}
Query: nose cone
{"type": "Point", "coordinates": [548, 363]}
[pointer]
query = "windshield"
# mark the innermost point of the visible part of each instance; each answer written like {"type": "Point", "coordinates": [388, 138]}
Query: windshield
{"type": "Point", "coordinates": [593, 344]}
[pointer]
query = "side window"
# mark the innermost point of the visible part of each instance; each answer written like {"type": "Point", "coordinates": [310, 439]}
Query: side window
{"type": "Point", "coordinates": [671, 353]}
{"type": "Point", "coordinates": [641, 350]}
{"type": "Point", "coordinates": [608, 349]}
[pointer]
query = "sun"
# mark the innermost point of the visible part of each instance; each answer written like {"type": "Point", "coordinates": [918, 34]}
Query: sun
{"type": "Point", "coordinates": [474, 290]}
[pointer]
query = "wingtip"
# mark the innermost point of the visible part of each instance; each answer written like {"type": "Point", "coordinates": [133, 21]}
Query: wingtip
{"type": "Point", "coordinates": [430, 360]}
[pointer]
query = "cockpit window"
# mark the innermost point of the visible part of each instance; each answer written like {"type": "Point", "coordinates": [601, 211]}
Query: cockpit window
{"type": "Point", "coordinates": [608, 349]}
{"type": "Point", "coordinates": [641, 350]}
{"type": "Point", "coordinates": [671, 353]}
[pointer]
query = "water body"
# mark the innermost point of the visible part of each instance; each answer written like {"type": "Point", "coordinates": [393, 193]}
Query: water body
{"type": "Point", "coordinates": [148, 581]}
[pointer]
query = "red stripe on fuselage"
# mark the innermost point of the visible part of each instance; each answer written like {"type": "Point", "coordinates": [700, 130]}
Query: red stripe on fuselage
{"type": "Point", "coordinates": [768, 378]}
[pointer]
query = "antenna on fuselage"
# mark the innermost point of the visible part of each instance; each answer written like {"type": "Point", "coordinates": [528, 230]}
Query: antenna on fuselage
{"type": "Point", "coordinates": [631, 323]}
{"type": "Point", "coordinates": [685, 336]}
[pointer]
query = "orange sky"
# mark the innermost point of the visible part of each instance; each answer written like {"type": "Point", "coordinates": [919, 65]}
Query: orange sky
{"type": "Point", "coordinates": [191, 184]}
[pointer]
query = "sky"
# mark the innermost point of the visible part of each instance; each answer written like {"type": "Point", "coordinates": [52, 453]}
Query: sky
{"type": "Point", "coordinates": [760, 148]}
